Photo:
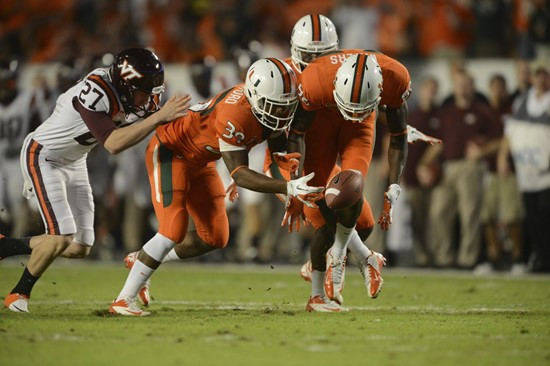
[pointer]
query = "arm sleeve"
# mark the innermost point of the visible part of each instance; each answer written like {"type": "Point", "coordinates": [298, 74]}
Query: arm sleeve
{"type": "Point", "coordinates": [100, 124]}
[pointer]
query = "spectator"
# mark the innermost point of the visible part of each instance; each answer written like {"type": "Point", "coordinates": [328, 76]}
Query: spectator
{"type": "Point", "coordinates": [425, 118]}
{"type": "Point", "coordinates": [465, 130]}
{"type": "Point", "coordinates": [502, 205]}
{"type": "Point", "coordinates": [527, 134]}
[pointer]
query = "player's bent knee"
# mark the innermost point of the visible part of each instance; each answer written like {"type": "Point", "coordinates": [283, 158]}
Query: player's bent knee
{"type": "Point", "coordinates": [61, 242]}
{"type": "Point", "coordinates": [365, 233]}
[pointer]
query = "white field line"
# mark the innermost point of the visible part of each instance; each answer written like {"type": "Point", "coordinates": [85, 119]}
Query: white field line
{"type": "Point", "coordinates": [237, 305]}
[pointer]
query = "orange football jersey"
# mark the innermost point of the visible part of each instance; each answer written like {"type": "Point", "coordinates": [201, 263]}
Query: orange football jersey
{"type": "Point", "coordinates": [226, 118]}
{"type": "Point", "coordinates": [317, 80]}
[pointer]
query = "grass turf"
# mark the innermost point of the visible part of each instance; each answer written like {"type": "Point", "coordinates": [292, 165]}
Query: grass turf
{"type": "Point", "coordinates": [215, 314]}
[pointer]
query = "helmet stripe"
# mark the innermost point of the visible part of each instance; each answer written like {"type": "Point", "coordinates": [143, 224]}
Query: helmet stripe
{"type": "Point", "coordinates": [284, 74]}
{"type": "Point", "coordinates": [357, 84]}
{"type": "Point", "coordinates": [316, 27]}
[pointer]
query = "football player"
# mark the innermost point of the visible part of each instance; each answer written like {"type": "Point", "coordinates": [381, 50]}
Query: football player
{"type": "Point", "coordinates": [329, 135]}
{"type": "Point", "coordinates": [184, 182]}
{"type": "Point", "coordinates": [53, 158]}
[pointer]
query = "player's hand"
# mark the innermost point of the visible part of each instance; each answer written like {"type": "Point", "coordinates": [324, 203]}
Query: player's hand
{"type": "Point", "coordinates": [414, 135]}
{"type": "Point", "coordinates": [289, 162]}
{"type": "Point", "coordinates": [390, 198]}
{"type": "Point", "coordinates": [308, 195]}
{"type": "Point", "coordinates": [231, 192]}
{"type": "Point", "coordinates": [174, 108]}
{"type": "Point", "coordinates": [293, 214]}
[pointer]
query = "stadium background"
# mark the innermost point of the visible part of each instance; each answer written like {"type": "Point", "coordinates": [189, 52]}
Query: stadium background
{"type": "Point", "coordinates": [202, 43]}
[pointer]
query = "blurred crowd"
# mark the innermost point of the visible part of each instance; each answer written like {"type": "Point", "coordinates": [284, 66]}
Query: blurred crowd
{"type": "Point", "coordinates": [468, 203]}
{"type": "Point", "coordinates": [184, 31]}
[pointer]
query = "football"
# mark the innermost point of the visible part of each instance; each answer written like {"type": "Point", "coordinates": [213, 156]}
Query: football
{"type": "Point", "coordinates": [344, 189]}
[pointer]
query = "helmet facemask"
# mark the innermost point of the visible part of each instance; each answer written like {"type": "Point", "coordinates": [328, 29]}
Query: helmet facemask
{"type": "Point", "coordinates": [355, 112]}
{"type": "Point", "coordinates": [275, 115]}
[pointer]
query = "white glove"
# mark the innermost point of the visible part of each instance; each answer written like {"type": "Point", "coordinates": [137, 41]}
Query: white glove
{"type": "Point", "coordinates": [414, 135]}
{"type": "Point", "coordinates": [308, 195]}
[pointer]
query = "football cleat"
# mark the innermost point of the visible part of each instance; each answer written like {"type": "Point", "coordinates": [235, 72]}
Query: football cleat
{"type": "Point", "coordinates": [305, 271]}
{"type": "Point", "coordinates": [323, 304]}
{"type": "Point", "coordinates": [143, 293]}
{"type": "Point", "coordinates": [127, 307]}
{"type": "Point", "coordinates": [370, 270]}
{"type": "Point", "coordinates": [334, 277]}
{"type": "Point", "coordinates": [17, 303]}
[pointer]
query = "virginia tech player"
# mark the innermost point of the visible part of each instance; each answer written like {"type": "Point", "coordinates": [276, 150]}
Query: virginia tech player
{"type": "Point", "coordinates": [184, 181]}
{"type": "Point", "coordinates": [53, 158]}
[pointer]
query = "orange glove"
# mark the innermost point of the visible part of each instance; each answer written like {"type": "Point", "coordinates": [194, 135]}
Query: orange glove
{"type": "Point", "coordinates": [289, 162]}
{"type": "Point", "coordinates": [231, 192]}
{"type": "Point", "coordinates": [390, 198]}
{"type": "Point", "coordinates": [293, 214]}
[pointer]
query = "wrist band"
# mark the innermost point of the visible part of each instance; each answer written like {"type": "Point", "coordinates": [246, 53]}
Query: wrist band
{"type": "Point", "coordinates": [404, 132]}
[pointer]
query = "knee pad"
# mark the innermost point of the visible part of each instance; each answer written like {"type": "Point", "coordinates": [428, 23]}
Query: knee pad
{"type": "Point", "coordinates": [158, 246]}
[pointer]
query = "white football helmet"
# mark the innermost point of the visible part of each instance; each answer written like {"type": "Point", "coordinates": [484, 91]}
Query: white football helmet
{"type": "Point", "coordinates": [270, 87]}
{"type": "Point", "coordinates": [312, 35]}
{"type": "Point", "coordinates": [357, 86]}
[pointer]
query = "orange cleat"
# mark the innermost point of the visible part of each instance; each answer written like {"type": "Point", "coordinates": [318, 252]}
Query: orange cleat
{"type": "Point", "coordinates": [370, 270]}
{"type": "Point", "coordinates": [127, 307]}
{"type": "Point", "coordinates": [17, 303]}
{"type": "Point", "coordinates": [323, 304]}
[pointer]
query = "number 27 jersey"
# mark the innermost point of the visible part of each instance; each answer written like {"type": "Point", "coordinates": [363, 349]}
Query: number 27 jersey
{"type": "Point", "coordinates": [65, 133]}
{"type": "Point", "coordinates": [223, 123]}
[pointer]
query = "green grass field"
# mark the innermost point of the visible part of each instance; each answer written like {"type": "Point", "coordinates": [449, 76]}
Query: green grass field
{"type": "Point", "coordinates": [230, 315]}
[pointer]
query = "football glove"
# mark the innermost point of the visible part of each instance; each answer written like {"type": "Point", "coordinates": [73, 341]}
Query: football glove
{"type": "Point", "coordinates": [308, 195]}
{"type": "Point", "coordinates": [414, 135]}
{"type": "Point", "coordinates": [294, 212]}
{"type": "Point", "coordinates": [390, 198]}
{"type": "Point", "coordinates": [289, 162]}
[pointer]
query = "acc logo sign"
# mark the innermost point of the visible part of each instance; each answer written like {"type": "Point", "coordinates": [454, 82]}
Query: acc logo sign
{"type": "Point", "coordinates": [128, 72]}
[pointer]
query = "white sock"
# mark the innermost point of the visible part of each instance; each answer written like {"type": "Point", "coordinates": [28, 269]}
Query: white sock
{"type": "Point", "coordinates": [138, 275]}
{"type": "Point", "coordinates": [357, 247]}
{"type": "Point", "coordinates": [317, 283]}
{"type": "Point", "coordinates": [171, 257]}
{"type": "Point", "coordinates": [340, 246]}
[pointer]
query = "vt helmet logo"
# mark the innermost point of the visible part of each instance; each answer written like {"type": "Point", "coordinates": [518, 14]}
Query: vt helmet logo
{"type": "Point", "coordinates": [128, 72]}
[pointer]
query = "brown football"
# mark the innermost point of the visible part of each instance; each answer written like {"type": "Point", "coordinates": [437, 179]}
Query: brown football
{"type": "Point", "coordinates": [344, 189]}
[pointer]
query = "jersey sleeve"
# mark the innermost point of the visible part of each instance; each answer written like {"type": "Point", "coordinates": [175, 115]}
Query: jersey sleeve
{"type": "Point", "coordinates": [397, 82]}
{"type": "Point", "coordinates": [96, 95]}
{"type": "Point", "coordinates": [231, 131]}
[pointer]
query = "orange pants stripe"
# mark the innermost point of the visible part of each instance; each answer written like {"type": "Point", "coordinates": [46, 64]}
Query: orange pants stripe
{"type": "Point", "coordinates": [33, 152]}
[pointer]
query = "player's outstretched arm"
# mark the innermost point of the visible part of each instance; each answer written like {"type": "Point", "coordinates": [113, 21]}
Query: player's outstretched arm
{"type": "Point", "coordinates": [397, 155]}
{"type": "Point", "coordinates": [237, 164]}
{"type": "Point", "coordinates": [123, 138]}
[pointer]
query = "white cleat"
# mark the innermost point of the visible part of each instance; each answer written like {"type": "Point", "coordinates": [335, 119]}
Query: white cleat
{"type": "Point", "coordinates": [17, 303]}
{"type": "Point", "coordinates": [323, 304]}
{"type": "Point", "coordinates": [143, 293]}
{"type": "Point", "coordinates": [370, 270]}
{"type": "Point", "coordinates": [334, 277]}
{"type": "Point", "coordinates": [305, 271]}
{"type": "Point", "coordinates": [127, 307]}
